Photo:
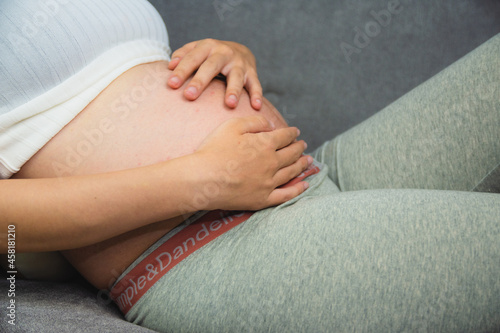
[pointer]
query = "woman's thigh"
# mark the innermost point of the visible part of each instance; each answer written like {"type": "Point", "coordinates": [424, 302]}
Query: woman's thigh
{"type": "Point", "coordinates": [444, 134]}
{"type": "Point", "coordinates": [381, 260]}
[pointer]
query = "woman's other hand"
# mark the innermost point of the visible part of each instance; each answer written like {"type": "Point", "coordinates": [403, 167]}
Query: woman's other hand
{"type": "Point", "coordinates": [208, 58]}
{"type": "Point", "coordinates": [246, 161]}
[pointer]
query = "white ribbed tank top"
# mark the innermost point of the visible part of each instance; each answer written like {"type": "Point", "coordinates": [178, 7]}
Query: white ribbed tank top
{"type": "Point", "coordinates": [56, 56]}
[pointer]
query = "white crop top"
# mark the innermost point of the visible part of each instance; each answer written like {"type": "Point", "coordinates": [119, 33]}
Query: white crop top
{"type": "Point", "coordinates": [56, 56]}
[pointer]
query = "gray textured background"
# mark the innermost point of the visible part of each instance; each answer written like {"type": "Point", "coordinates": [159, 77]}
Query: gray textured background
{"type": "Point", "coordinates": [300, 61]}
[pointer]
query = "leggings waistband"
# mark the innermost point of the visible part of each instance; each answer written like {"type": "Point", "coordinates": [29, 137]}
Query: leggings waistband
{"type": "Point", "coordinates": [191, 237]}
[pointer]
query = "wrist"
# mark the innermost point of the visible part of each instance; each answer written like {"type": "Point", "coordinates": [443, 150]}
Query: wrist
{"type": "Point", "coordinates": [210, 179]}
{"type": "Point", "coordinates": [196, 175]}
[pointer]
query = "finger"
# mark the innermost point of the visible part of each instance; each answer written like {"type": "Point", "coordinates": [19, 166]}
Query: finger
{"type": "Point", "coordinates": [235, 82]}
{"type": "Point", "coordinates": [210, 68]}
{"type": "Point", "coordinates": [281, 195]}
{"type": "Point", "coordinates": [283, 137]}
{"type": "Point", "coordinates": [252, 124]}
{"type": "Point", "coordinates": [180, 53]}
{"type": "Point", "coordinates": [187, 65]}
{"type": "Point", "coordinates": [286, 174]}
{"type": "Point", "coordinates": [173, 63]}
{"type": "Point", "coordinates": [291, 153]}
{"type": "Point", "coordinates": [254, 89]}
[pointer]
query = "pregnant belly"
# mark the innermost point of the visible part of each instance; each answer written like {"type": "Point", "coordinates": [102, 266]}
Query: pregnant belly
{"type": "Point", "coordinates": [137, 120]}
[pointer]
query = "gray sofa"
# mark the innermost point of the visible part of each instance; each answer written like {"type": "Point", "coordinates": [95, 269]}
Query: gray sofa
{"type": "Point", "coordinates": [325, 64]}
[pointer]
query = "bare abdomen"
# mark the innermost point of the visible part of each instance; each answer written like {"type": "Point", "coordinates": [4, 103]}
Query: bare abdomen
{"type": "Point", "coordinates": [137, 120]}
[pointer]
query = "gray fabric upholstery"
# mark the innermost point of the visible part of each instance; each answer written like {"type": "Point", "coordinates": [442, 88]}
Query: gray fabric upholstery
{"type": "Point", "coordinates": [490, 183]}
{"type": "Point", "coordinates": [62, 307]}
{"type": "Point", "coordinates": [310, 79]}
{"type": "Point", "coordinates": [301, 63]}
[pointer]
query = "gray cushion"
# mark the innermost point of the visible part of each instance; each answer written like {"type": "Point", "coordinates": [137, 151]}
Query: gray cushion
{"type": "Point", "coordinates": [490, 183]}
{"type": "Point", "coordinates": [303, 69]}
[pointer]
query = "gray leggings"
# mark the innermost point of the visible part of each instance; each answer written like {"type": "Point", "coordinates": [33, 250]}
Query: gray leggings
{"type": "Point", "coordinates": [389, 237]}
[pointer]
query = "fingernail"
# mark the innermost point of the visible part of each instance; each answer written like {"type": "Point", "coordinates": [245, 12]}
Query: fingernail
{"type": "Point", "coordinates": [258, 102]}
{"type": "Point", "coordinates": [232, 99]}
{"type": "Point", "coordinates": [310, 160]}
{"type": "Point", "coordinates": [305, 145]}
{"type": "Point", "coordinates": [192, 91]}
{"type": "Point", "coordinates": [306, 185]}
{"type": "Point", "coordinates": [174, 80]}
{"type": "Point", "coordinates": [298, 132]}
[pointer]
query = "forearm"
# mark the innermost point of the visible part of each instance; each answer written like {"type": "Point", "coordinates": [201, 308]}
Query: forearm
{"type": "Point", "coordinates": [69, 212]}
{"type": "Point", "coordinates": [236, 168]}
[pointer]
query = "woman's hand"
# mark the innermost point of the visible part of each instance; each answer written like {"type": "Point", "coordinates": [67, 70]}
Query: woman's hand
{"type": "Point", "coordinates": [211, 57]}
{"type": "Point", "coordinates": [238, 167]}
{"type": "Point", "coordinates": [245, 161]}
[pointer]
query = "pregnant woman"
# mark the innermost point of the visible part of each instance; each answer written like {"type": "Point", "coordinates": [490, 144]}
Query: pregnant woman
{"type": "Point", "coordinates": [129, 175]}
